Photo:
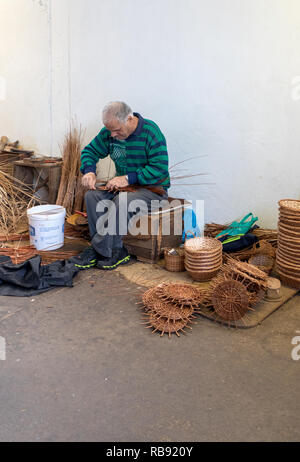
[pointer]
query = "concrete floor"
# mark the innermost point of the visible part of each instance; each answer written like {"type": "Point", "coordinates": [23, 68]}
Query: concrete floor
{"type": "Point", "coordinates": [80, 367]}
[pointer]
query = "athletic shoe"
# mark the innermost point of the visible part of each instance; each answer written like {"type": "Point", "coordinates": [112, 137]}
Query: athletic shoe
{"type": "Point", "coordinates": [86, 259]}
{"type": "Point", "coordinates": [119, 257]}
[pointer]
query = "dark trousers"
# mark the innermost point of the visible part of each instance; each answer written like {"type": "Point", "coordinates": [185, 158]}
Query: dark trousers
{"type": "Point", "coordinates": [111, 206]}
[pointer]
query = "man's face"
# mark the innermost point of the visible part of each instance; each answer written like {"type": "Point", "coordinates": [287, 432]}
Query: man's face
{"type": "Point", "coordinates": [118, 130]}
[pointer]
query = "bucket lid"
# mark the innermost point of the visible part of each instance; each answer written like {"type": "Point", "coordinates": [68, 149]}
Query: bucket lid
{"type": "Point", "coordinates": [43, 211]}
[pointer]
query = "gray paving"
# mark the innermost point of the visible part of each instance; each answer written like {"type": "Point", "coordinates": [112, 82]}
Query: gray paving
{"type": "Point", "coordinates": [81, 367]}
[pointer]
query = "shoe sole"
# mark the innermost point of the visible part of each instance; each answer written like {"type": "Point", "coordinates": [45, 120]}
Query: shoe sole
{"type": "Point", "coordinates": [113, 267]}
{"type": "Point", "coordinates": [92, 264]}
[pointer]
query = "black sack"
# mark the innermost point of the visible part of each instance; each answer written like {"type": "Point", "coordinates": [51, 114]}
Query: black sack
{"type": "Point", "coordinates": [31, 278]}
{"type": "Point", "coordinates": [242, 243]}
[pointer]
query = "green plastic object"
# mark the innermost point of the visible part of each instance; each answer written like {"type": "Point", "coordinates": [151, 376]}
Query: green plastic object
{"type": "Point", "coordinates": [239, 228]}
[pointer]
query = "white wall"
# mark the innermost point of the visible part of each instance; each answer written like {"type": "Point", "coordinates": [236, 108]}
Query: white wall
{"type": "Point", "coordinates": [216, 75]}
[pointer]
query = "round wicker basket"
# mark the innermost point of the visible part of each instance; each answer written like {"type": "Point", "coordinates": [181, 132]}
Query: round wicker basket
{"type": "Point", "coordinates": [289, 280]}
{"type": "Point", "coordinates": [203, 275]}
{"type": "Point", "coordinates": [174, 263]}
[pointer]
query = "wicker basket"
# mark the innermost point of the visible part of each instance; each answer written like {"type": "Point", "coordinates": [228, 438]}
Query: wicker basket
{"type": "Point", "coordinates": [174, 263]}
{"type": "Point", "coordinates": [203, 276]}
{"type": "Point", "coordinates": [263, 262]}
{"type": "Point", "coordinates": [289, 280]}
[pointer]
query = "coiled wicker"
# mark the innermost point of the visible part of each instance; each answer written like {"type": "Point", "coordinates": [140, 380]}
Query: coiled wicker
{"type": "Point", "coordinates": [170, 307]}
{"type": "Point", "coordinates": [288, 252]}
{"type": "Point", "coordinates": [203, 258]}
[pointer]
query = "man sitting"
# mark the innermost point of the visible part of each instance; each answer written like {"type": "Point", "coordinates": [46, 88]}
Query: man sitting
{"type": "Point", "coordinates": [139, 151]}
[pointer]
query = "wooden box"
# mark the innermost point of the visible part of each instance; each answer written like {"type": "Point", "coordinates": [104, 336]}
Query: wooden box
{"type": "Point", "coordinates": [168, 226]}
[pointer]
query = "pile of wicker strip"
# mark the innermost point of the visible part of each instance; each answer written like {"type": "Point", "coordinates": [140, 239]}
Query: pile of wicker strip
{"type": "Point", "coordinates": [170, 307]}
{"type": "Point", "coordinates": [20, 254]}
{"type": "Point", "coordinates": [235, 291]}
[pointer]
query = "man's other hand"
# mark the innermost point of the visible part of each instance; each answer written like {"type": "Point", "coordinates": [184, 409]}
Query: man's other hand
{"type": "Point", "coordinates": [89, 181]}
{"type": "Point", "coordinates": [118, 182]}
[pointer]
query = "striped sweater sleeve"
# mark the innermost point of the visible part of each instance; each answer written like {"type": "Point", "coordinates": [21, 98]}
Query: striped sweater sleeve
{"type": "Point", "coordinates": [157, 169]}
{"type": "Point", "coordinates": [93, 152]}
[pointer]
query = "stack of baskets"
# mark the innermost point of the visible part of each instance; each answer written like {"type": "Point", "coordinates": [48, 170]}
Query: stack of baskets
{"type": "Point", "coordinates": [203, 258]}
{"type": "Point", "coordinates": [288, 252]}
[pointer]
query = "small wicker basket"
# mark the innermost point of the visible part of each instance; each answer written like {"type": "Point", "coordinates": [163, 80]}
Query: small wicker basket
{"type": "Point", "coordinates": [264, 262]}
{"type": "Point", "coordinates": [174, 263]}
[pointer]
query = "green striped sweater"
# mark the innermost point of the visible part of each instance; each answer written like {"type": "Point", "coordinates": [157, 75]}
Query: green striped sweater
{"type": "Point", "coordinates": [143, 156]}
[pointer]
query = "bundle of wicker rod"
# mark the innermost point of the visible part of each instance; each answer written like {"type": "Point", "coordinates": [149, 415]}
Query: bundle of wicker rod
{"type": "Point", "coordinates": [20, 254]}
{"type": "Point", "coordinates": [71, 192]}
{"type": "Point", "coordinates": [288, 252]}
{"type": "Point", "coordinates": [203, 258]}
{"type": "Point", "coordinates": [169, 307]}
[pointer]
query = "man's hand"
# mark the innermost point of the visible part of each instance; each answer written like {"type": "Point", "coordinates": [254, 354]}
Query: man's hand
{"type": "Point", "coordinates": [118, 182]}
{"type": "Point", "coordinates": [89, 181]}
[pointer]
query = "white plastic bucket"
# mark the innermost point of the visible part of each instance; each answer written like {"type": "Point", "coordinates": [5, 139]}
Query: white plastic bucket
{"type": "Point", "coordinates": [47, 226]}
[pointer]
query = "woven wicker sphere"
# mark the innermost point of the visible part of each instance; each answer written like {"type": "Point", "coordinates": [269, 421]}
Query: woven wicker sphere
{"type": "Point", "coordinates": [230, 300]}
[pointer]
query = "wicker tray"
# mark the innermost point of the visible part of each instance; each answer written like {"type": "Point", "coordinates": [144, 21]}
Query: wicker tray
{"type": "Point", "coordinates": [200, 262]}
{"type": "Point", "coordinates": [291, 206]}
{"type": "Point", "coordinates": [203, 245]}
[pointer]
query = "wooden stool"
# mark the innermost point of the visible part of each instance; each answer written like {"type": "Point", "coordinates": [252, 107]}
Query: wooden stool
{"type": "Point", "coordinates": [25, 171]}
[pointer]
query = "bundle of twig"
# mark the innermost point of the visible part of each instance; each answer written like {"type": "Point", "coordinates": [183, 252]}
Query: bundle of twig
{"type": "Point", "coordinates": [213, 229]}
{"type": "Point", "coordinates": [15, 198]}
{"type": "Point", "coordinates": [71, 193]}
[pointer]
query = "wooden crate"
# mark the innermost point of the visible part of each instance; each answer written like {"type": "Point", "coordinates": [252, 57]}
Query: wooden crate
{"type": "Point", "coordinates": [149, 248]}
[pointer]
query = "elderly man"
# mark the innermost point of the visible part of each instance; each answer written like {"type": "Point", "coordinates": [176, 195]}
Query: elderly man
{"type": "Point", "coordinates": [139, 151]}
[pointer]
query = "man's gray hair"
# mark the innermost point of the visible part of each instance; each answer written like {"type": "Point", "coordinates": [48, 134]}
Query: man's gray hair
{"type": "Point", "coordinates": [116, 110]}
